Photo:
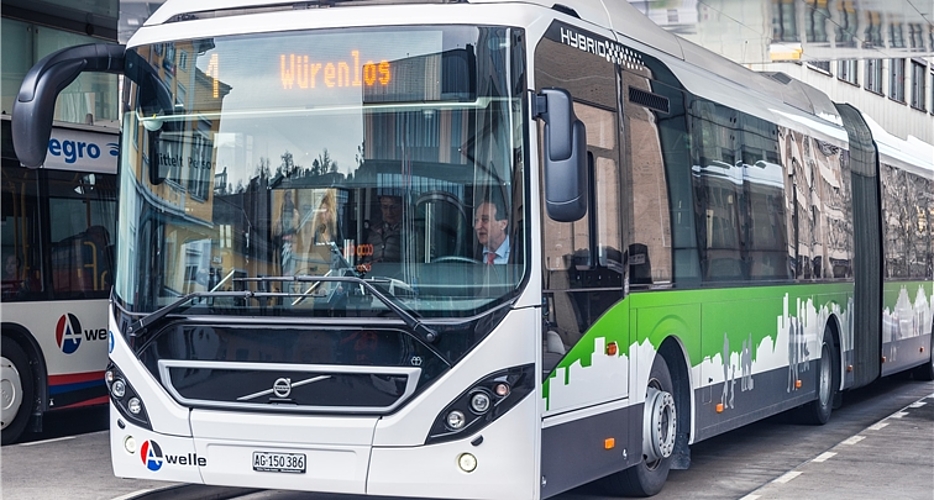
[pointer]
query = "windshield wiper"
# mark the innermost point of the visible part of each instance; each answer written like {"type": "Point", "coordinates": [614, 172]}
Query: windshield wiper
{"type": "Point", "coordinates": [422, 331]}
{"type": "Point", "coordinates": [137, 328]}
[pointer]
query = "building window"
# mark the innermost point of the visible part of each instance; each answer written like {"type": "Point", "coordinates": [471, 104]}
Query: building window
{"type": "Point", "coordinates": [916, 35]}
{"type": "Point", "coordinates": [846, 30]}
{"type": "Point", "coordinates": [822, 66]}
{"type": "Point", "coordinates": [784, 24]}
{"type": "Point", "coordinates": [874, 75]}
{"type": "Point", "coordinates": [896, 36]}
{"type": "Point", "coordinates": [918, 94]}
{"type": "Point", "coordinates": [897, 80]}
{"type": "Point", "coordinates": [932, 92]}
{"type": "Point", "coordinates": [817, 16]}
{"type": "Point", "coordinates": [91, 98]}
{"type": "Point", "coordinates": [873, 32]}
{"type": "Point", "coordinates": [847, 71]}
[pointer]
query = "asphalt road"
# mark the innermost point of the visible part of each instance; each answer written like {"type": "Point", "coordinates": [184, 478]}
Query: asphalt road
{"type": "Point", "coordinates": [852, 457]}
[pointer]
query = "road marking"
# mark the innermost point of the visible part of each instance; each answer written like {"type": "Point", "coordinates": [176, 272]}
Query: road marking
{"type": "Point", "coordinates": [853, 440]}
{"type": "Point", "coordinates": [132, 495]}
{"type": "Point", "coordinates": [823, 457]}
{"type": "Point", "coordinates": [751, 497]}
{"type": "Point", "coordinates": [63, 438]}
{"type": "Point", "coordinates": [878, 426]}
{"type": "Point", "coordinates": [898, 414]}
{"type": "Point", "coordinates": [788, 476]}
{"type": "Point", "coordinates": [917, 404]}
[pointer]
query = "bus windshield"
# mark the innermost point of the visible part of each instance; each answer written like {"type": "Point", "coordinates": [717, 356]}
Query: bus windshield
{"type": "Point", "coordinates": [259, 163]}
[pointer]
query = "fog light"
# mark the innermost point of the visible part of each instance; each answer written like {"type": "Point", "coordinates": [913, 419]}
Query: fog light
{"type": "Point", "coordinates": [480, 402]}
{"type": "Point", "coordinates": [134, 405]}
{"type": "Point", "coordinates": [129, 444]}
{"type": "Point", "coordinates": [118, 389]}
{"type": "Point", "coordinates": [501, 389]}
{"type": "Point", "coordinates": [467, 462]}
{"type": "Point", "coordinates": [456, 420]}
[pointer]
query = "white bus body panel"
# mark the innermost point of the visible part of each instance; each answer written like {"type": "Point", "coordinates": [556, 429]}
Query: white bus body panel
{"type": "Point", "coordinates": [165, 415]}
{"type": "Point", "coordinates": [507, 463]}
{"type": "Point", "coordinates": [153, 466]}
{"type": "Point", "coordinates": [511, 343]}
{"type": "Point", "coordinates": [520, 15]}
{"type": "Point", "coordinates": [41, 320]}
{"type": "Point", "coordinates": [337, 449]}
{"type": "Point", "coordinates": [337, 469]}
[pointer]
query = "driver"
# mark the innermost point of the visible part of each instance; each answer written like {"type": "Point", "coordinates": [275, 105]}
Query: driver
{"type": "Point", "coordinates": [490, 223]}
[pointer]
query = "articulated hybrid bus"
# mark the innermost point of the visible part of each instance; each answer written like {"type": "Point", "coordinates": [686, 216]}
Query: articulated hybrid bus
{"type": "Point", "coordinates": [55, 233]}
{"type": "Point", "coordinates": [482, 249]}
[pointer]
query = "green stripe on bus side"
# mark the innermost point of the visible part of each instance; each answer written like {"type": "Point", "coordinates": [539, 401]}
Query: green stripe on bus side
{"type": "Point", "coordinates": [892, 290]}
{"type": "Point", "coordinates": [735, 313]}
{"type": "Point", "coordinates": [710, 322]}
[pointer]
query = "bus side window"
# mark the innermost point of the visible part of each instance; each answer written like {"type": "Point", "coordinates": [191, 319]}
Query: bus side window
{"type": "Point", "coordinates": [20, 233]}
{"type": "Point", "coordinates": [79, 204]}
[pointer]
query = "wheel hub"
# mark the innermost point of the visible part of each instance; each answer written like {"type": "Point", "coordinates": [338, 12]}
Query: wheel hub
{"type": "Point", "coordinates": [11, 392]}
{"type": "Point", "coordinates": [660, 424]}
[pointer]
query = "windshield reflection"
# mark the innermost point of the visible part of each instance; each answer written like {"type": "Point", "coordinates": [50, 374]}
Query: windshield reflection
{"type": "Point", "coordinates": [251, 168]}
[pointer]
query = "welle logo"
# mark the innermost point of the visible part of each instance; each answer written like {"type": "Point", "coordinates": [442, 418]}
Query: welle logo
{"type": "Point", "coordinates": [68, 333]}
{"type": "Point", "coordinates": [151, 455]}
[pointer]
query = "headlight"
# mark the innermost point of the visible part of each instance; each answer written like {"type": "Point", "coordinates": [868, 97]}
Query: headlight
{"type": "Point", "coordinates": [118, 389]}
{"type": "Point", "coordinates": [455, 420]}
{"type": "Point", "coordinates": [480, 402]}
{"type": "Point", "coordinates": [134, 405]}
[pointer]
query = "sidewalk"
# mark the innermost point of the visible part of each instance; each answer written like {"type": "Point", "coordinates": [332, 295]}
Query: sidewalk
{"type": "Point", "coordinates": [897, 451]}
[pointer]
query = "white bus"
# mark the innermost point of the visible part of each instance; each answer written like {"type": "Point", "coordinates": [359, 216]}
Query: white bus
{"type": "Point", "coordinates": [55, 241]}
{"type": "Point", "coordinates": [482, 249]}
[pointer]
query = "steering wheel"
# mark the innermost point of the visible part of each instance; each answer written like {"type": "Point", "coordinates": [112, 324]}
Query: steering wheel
{"type": "Point", "coordinates": [456, 258]}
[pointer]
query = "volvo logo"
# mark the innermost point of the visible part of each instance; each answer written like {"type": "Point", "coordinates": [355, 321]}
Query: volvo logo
{"type": "Point", "coordinates": [282, 387]}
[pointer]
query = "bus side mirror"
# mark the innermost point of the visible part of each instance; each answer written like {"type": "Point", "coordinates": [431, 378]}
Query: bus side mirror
{"type": "Point", "coordinates": [34, 106]}
{"type": "Point", "coordinates": [565, 151]}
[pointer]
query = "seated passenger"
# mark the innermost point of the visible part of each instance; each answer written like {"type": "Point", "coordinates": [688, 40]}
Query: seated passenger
{"type": "Point", "coordinates": [386, 237]}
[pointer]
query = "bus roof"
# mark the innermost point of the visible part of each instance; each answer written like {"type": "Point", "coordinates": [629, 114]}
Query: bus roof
{"type": "Point", "coordinates": [722, 77]}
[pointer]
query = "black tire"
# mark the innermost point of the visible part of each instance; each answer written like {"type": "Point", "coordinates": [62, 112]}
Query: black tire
{"type": "Point", "coordinates": [649, 476]}
{"type": "Point", "coordinates": [926, 371]}
{"type": "Point", "coordinates": [21, 383]}
{"type": "Point", "coordinates": [818, 412]}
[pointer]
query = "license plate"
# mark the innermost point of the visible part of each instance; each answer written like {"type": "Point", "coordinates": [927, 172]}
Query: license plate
{"type": "Point", "coordinates": [291, 463]}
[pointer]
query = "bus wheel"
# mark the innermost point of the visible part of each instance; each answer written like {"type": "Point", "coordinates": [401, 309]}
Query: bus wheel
{"type": "Point", "coordinates": [18, 392]}
{"type": "Point", "coordinates": [659, 432]}
{"type": "Point", "coordinates": [817, 412]}
{"type": "Point", "coordinates": [926, 371]}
